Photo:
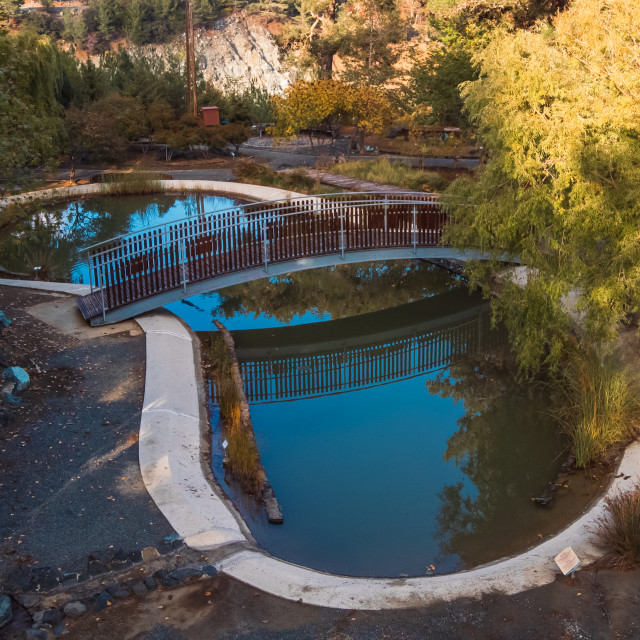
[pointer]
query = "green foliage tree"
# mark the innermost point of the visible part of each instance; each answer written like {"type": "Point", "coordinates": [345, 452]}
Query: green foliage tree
{"type": "Point", "coordinates": [558, 111]}
{"type": "Point", "coordinates": [9, 8]}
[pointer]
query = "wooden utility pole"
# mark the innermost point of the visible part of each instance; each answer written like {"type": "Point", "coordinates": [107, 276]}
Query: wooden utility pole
{"type": "Point", "coordinates": [192, 102]}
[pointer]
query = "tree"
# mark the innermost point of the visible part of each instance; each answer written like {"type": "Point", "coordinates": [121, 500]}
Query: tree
{"type": "Point", "coordinates": [559, 113]}
{"type": "Point", "coordinates": [9, 8]}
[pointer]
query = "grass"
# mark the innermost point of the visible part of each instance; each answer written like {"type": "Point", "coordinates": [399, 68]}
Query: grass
{"type": "Point", "coordinates": [134, 183]}
{"type": "Point", "coordinates": [399, 174]}
{"type": "Point", "coordinates": [298, 180]}
{"type": "Point", "coordinates": [619, 530]}
{"type": "Point", "coordinates": [243, 459]}
{"type": "Point", "coordinates": [598, 405]}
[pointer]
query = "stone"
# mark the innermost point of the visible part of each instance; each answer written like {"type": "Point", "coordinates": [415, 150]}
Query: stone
{"type": "Point", "coordinates": [95, 568]}
{"type": "Point", "coordinates": [209, 570]}
{"type": "Point", "coordinates": [60, 630]}
{"type": "Point", "coordinates": [4, 321]}
{"type": "Point", "coordinates": [150, 583]}
{"type": "Point", "coordinates": [13, 400]}
{"type": "Point", "coordinates": [6, 615]}
{"type": "Point", "coordinates": [149, 553]}
{"type": "Point", "coordinates": [52, 617]}
{"type": "Point", "coordinates": [185, 573]}
{"type": "Point", "coordinates": [139, 589]}
{"type": "Point", "coordinates": [105, 556]}
{"type": "Point", "coordinates": [118, 592]}
{"type": "Point", "coordinates": [164, 549]}
{"type": "Point", "coordinates": [104, 600]}
{"type": "Point", "coordinates": [83, 576]}
{"type": "Point", "coordinates": [29, 601]}
{"type": "Point", "coordinates": [44, 579]}
{"type": "Point", "coordinates": [17, 375]}
{"type": "Point", "coordinates": [119, 561]}
{"type": "Point", "coordinates": [135, 556]}
{"type": "Point", "coordinates": [162, 576]}
{"type": "Point", "coordinates": [37, 617]}
{"type": "Point", "coordinates": [36, 634]}
{"type": "Point", "coordinates": [74, 610]}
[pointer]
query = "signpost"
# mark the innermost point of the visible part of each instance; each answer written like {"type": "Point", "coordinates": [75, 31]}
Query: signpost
{"type": "Point", "coordinates": [567, 561]}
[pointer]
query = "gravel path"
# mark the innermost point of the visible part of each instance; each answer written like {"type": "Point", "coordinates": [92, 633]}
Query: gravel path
{"type": "Point", "coordinates": [69, 472]}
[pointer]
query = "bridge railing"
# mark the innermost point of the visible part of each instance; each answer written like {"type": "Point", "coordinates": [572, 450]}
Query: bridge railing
{"type": "Point", "coordinates": [202, 246]}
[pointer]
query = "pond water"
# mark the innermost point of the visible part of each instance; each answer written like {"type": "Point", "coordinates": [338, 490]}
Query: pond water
{"type": "Point", "coordinates": [52, 237]}
{"type": "Point", "coordinates": [389, 422]}
{"type": "Point", "coordinates": [385, 408]}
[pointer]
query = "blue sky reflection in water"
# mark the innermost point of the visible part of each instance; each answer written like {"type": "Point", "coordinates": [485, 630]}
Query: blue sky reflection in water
{"type": "Point", "coordinates": [386, 479]}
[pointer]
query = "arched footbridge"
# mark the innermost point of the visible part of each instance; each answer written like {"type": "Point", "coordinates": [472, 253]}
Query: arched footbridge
{"type": "Point", "coordinates": [141, 271]}
{"type": "Point", "coordinates": [311, 360]}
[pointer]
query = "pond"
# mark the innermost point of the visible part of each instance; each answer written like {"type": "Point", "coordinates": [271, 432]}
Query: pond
{"type": "Point", "coordinates": [389, 422]}
{"type": "Point", "coordinates": [51, 239]}
{"type": "Point", "coordinates": [385, 406]}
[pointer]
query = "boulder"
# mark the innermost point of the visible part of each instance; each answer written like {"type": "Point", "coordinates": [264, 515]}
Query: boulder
{"type": "Point", "coordinates": [52, 617]}
{"type": "Point", "coordinates": [60, 630]}
{"type": "Point", "coordinates": [6, 615]}
{"type": "Point", "coordinates": [17, 375]}
{"type": "Point", "coordinates": [118, 592]}
{"type": "Point", "coordinates": [36, 634]}
{"type": "Point", "coordinates": [149, 553]}
{"type": "Point", "coordinates": [74, 610]}
{"type": "Point", "coordinates": [139, 589]}
{"type": "Point", "coordinates": [104, 600]}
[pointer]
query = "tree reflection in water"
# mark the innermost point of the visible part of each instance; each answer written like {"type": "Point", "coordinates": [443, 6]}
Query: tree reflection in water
{"type": "Point", "coordinates": [506, 446]}
{"type": "Point", "coordinates": [341, 291]}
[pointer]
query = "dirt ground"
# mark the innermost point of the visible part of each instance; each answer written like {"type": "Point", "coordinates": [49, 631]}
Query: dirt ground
{"type": "Point", "coordinates": [70, 483]}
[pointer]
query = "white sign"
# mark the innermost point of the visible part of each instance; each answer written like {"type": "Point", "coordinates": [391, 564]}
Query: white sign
{"type": "Point", "coordinates": [567, 561]}
{"type": "Point", "coordinates": [225, 444]}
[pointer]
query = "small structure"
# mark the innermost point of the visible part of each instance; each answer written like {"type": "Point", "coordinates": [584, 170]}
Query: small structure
{"type": "Point", "coordinates": [211, 116]}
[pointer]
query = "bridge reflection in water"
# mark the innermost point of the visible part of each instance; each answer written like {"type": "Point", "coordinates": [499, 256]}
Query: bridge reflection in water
{"type": "Point", "coordinates": [363, 351]}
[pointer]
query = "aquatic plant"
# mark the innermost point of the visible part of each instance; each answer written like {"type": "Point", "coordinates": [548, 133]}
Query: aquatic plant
{"type": "Point", "coordinates": [134, 183]}
{"type": "Point", "coordinates": [597, 402]}
{"type": "Point", "coordinates": [619, 530]}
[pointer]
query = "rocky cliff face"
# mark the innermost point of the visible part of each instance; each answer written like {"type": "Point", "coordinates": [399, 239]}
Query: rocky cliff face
{"type": "Point", "coordinates": [240, 52]}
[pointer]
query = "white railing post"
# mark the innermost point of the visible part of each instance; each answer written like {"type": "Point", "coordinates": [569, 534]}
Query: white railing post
{"type": "Point", "coordinates": [265, 248]}
{"type": "Point", "coordinates": [183, 265]}
{"type": "Point", "coordinates": [414, 230]}
{"type": "Point", "coordinates": [90, 265]}
{"type": "Point", "coordinates": [386, 212]}
{"type": "Point", "coordinates": [342, 234]}
{"type": "Point", "coordinates": [104, 311]}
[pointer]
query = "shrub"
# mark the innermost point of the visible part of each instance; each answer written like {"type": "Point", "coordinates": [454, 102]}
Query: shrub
{"type": "Point", "coordinates": [598, 404]}
{"type": "Point", "coordinates": [135, 183]}
{"type": "Point", "coordinates": [619, 530]}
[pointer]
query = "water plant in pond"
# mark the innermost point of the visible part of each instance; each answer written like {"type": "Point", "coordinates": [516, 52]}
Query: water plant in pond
{"type": "Point", "coordinates": [243, 461]}
{"type": "Point", "coordinates": [133, 183]}
{"type": "Point", "coordinates": [619, 530]}
{"type": "Point", "coordinates": [598, 404]}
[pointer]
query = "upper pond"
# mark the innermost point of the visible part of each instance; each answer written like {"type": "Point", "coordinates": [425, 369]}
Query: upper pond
{"type": "Point", "coordinates": [385, 408]}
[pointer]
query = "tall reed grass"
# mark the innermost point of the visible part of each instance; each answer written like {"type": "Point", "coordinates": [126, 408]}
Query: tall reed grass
{"type": "Point", "coordinates": [134, 183]}
{"type": "Point", "coordinates": [598, 403]}
{"type": "Point", "coordinates": [619, 530]}
{"type": "Point", "coordinates": [399, 174]}
{"type": "Point", "coordinates": [243, 458]}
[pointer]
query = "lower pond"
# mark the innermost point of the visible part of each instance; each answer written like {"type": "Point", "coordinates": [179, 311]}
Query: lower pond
{"type": "Point", "coordinates": [389, 422]}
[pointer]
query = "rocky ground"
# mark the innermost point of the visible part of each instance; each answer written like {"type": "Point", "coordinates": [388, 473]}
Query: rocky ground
{"type": "Point", "coordinates": [74, 511]}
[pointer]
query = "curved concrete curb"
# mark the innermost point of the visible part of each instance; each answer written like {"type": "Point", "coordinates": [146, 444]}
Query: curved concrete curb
{"type": "Point", "coordinates": [169, 444]}
{"type": "Point", "coordinates": [169, 457]}
{"type": "Point", "coordinates": [248, 191]}
{"type": "Point", "coordinates": [52, 287]}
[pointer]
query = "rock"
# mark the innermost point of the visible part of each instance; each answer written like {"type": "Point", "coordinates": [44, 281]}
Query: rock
{"type": "Point", "coordinates": [95, 567]}
{"type": "Point", "coordinates": [104, 600]}
{"type": "Point", "coordinates": [17, 375]}
{"type": "Point", "coordinates": [139, 589]}
{"type": "Point", "coordinates": [44, 579]}
{"type": "Point", "coordinates": [37, 617]}
{"type": "Point", "coordinates": [36, 634]}
{"type": "Point", "coordinates": [60, 630]}
{"type": "Point", "coordinates": [163, 577]}
{"type": "Point", "coordinates": [29, 601]}
{"type": "Point", "coordinates": [118, 592]}
{"type": "Point", "coordinates": [6, 615]}
{"type": "Point", "coordinates": [104, 556]}
{"type": "Point", "coordinates": [150, 583]}
{"type": "Point", "coordinates": [185, 573]}
{"type": "Point", "coordinates": [149, 553]}
{"type": "Point", "coordinates": [74, 610]}
{"type": "Point", "coordinates": [209, 570]}
{"type": "Point", "coordinates": [119, 561]}
{"type": "Point", "coordinates": [4, 321]}
{"type": "Point", "coordinates": [83, 576]}
{"type": "Point", "coordinates": [13, 400]}
{"type": "Point", "coordinates": [52, 617]}
{"type": "Point", "coordinates": [135, 556]}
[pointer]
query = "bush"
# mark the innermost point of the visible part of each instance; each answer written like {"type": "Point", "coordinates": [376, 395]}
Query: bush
{"type": "Point", "coordinates": [297, 180]}
{"type": "Point", "coordinates": [620, 529]}
{"type": "Point", "coordinates": [598, 404]}
{"type": "Point", "coordinates": [399, 174]}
